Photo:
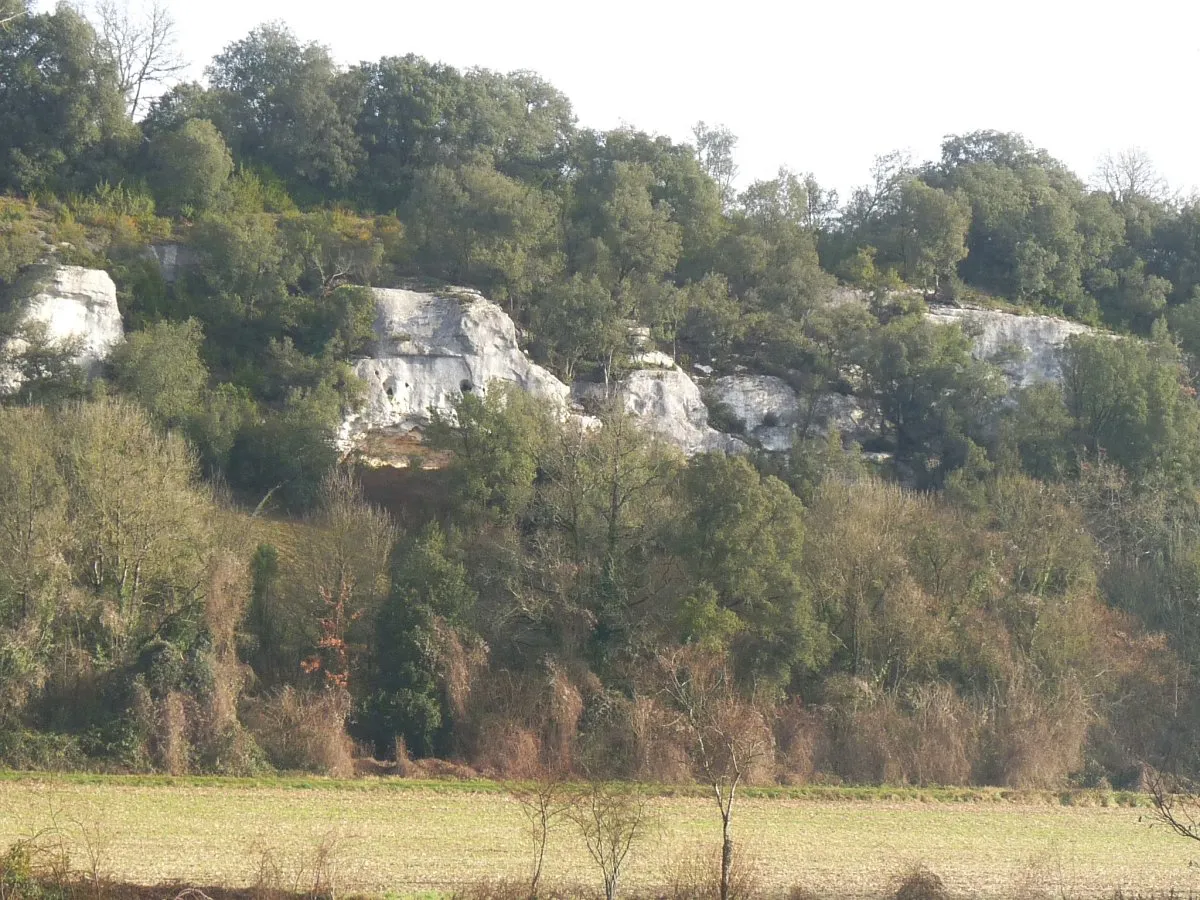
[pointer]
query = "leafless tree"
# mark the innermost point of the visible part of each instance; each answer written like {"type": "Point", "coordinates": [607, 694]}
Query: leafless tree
{"type": "Point", "coordinates": [729, 735]}
{"type": "Point", "coordinates": [1130, 174]}
{"type": "Point", "coordinates": [611, 819]}
{"type": "Point", "coordinates": [545, 801]}
{"type": "Point", "coordinates": [1176, 804]}
{"type": "Point", "coordinates": [140, 44]}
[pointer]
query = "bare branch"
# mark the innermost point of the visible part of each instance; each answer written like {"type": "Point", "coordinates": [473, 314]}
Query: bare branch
{"type": "Point", "coordinates": [1130, 174]}
{"type": "Point", "coordinates": [140, 46]}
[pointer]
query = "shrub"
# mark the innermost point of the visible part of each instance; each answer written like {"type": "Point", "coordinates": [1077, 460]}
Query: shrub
{"type": "Point", "coordinates": [303, 731]}
{"type": "Point", "coordinates": [722, 418]}
{"type": "Point", "coordinates": [920, 884]}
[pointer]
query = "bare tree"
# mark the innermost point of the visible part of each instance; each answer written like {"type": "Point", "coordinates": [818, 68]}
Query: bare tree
{"type": "Point", "coordinates": [544, 802]}
{"type": "Point", "coordinates": [611, 819]}
{"type": "Point", "coordinates": [140, 45]}
{"type": "Point", "coordinates": [1176, 804]}
{"type": "Point", "coordinates": [1131, 174]}
{"type": "Point", "coordinates": [728, 735]}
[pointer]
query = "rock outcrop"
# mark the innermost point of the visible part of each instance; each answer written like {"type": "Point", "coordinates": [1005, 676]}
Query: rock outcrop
{"type": "Point", "coordinates": [173, 259]}
{"type": "Point", "coordinates": [430, 348]}
{"type": "Point", "coordinates": [668, 403]}
{"type": "Point", "coordinates": [1027, 348]}
{"type": "Point", "coordinates": [772, 413]}
{"type": "Point", "coordinates": [70, 306]}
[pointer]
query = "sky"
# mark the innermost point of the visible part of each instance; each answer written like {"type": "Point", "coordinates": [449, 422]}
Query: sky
{"type": "Point", "coordinates": [816, 86]}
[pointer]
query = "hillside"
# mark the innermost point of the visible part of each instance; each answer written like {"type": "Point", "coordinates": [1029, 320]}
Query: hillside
{"type": "Point", "coordinates": [388, 411]}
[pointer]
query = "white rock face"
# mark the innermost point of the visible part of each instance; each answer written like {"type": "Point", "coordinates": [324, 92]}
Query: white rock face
{"type": "Point", "coordinates": [173, 259]}
{"type": "Point", "coordinates": [668, 403]}
{"type": "Point", "coordinates": [74, 305]}
{"type": "Point", "coordinates": [1038, 340]}
{"type": "Point", "coordinates": [772, 412]}
{"type": "Point", "coordinates": [767, 407]}
{"type": "Point", "coordinates": [431, 347]}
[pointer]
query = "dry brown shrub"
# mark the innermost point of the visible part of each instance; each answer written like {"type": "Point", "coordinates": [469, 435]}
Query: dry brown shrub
{"type": "Point", "coordinates": [661, 753]}
{"type": "Point", "coordinates": [944, 738]}
{"type": "Point", "coordinates": [510, 751]}
{"type": "Point", "coordinates": [564, 711]}
{"type": "Point", "coordinates": [802, 742]}
{"type": "Point", "coordinates": [459, 666]}
{"type": "Point", "coordinates": [303, 731]}
{"type": "Point", "coordinates": [929, 735]}
{"type": "Point", "coordinates": [502, 701]}
{"type": "Point", "coordinates": [697, 876]}
{"type": "Point", "coordinates": [171, 744]}
{"type": "Point", "coordinates": [1038, 736]}
{"type": "Point", "coordinates": [920, 884]}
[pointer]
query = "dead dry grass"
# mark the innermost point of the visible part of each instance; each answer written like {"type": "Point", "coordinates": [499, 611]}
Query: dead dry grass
{"type": "Point", "coordinates": [422, 840]}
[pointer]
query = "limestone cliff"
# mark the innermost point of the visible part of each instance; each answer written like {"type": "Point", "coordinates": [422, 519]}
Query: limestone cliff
{"type": "Point", "coordinates": [430, 348]}
{"type": "Point", "coordinates": [1027, 348]}
{"type": "Point", "coordinates": [72, 306]}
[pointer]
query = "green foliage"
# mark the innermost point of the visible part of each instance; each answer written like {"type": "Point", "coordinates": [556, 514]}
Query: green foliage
{"type": "Point", "coordinates": [743, 536]}
{"type": "Point", "coordinates": [429, 592]}
{"type": "Point", "coordinates": [161, 369]}
{"type": "Point", "coordinates": [495, 440]}
{"type": "Point", "coordinates": [933, 396]}
{"type": "Point", "coordinates": [61, 103]}
{"type": "Point", "coordinates": [284, 106]}
{"type": "Point", "coordinates": [190, 167]}
{"type": "Point", "coordinates": [1133, 401]}
{"type": "Point", "coordinates": [474, 225]}
{"type": "Point", "coordinates": [20, 242]}
{"type": "Point", "coordinates": [286, 454]}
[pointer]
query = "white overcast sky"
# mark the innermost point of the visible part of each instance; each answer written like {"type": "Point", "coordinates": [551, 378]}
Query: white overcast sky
{"type": "Point", "coordinates": [818, 86]}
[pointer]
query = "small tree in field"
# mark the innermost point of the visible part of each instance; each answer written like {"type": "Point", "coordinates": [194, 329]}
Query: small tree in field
{"type": "Point", "coordinates": [611, 819]}
{"type": "Point", "coordinates": [545, 801]}
{"type": "Point", "coordinates": [727, 735]}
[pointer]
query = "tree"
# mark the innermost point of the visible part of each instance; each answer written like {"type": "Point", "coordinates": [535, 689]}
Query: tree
{"type": "Point", "coordinates": [1132, 400]}
{"type": "Point", "coordinates": [190, 167]}
{"type": "Point", "coordinates": [429, 590]}
{"type": "Point", "coordinates": [933, 228]}
{"type": "Point", "coordinates": [160, 367]}
{"type": "Point", "coordinates": [61, 101]}
{"type": "Point", "coordinates": [740, 536]}
{"type": "Point", "coordinates": [935, 398]}
{"type": "Point", "coordinates": [728, 737]}
{"type": "Point", "coordinates": [1130, 175]}
{"type": "Point", "coordinates": [141, 530]}
{"type": "Point", "coordinates": [141, 48]}
{"type": "Point", "coordinates": [33, 530]}
{"type": "Point", "coordinates": [283, 105]}
{"type": "Point", "coordinates": [578, 323]}
{"type": "Point", "coordinates": [544, 803]}
{"type": "Point", "coordinates": [476, 226]}
{"type": "Point", "coordinates": [714, 151]}
{"type": "Point", "coordinates": [495, 439]}
{"type": "Point", "coordinates": [611, 818]}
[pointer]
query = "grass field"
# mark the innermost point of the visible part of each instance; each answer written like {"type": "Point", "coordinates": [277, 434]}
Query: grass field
{"type": "Point", "coordinates": [405, 839]}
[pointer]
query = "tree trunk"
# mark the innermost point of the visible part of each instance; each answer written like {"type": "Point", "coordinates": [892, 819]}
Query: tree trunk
{"type": "Point", "coordinates": [726, 857]}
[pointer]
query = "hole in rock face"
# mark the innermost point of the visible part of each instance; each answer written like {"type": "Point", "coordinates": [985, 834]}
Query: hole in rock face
{"type": "Point", "coordinates": [466, 386]}
{"type": "Point", "coordinates": [391, 394]}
